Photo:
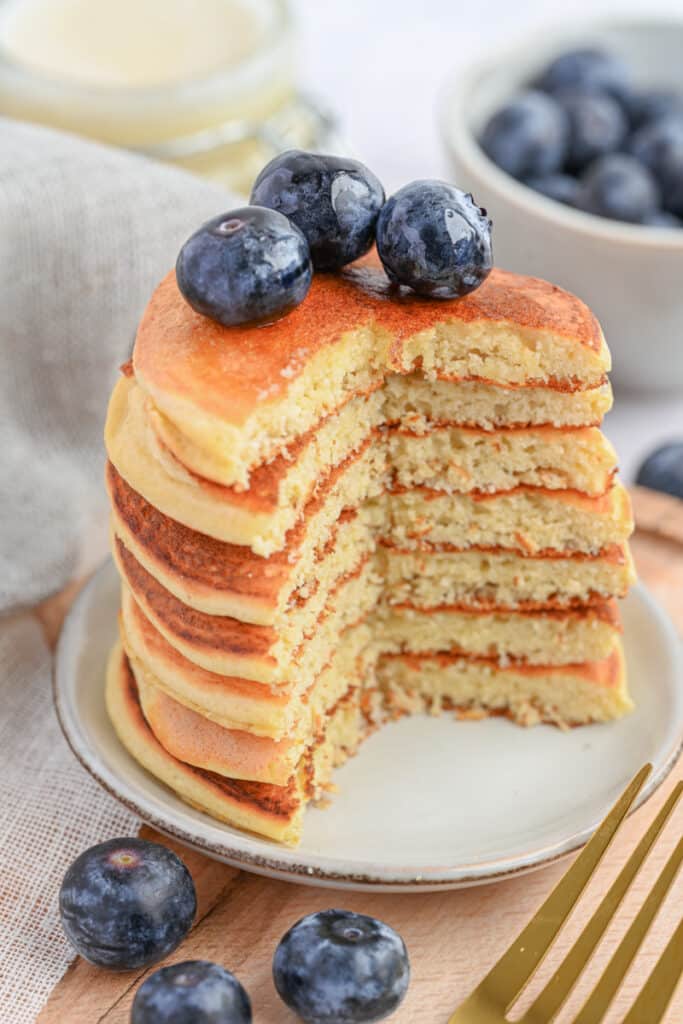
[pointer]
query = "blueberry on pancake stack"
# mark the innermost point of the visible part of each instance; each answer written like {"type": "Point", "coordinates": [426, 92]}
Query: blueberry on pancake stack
{"type": "Point", "coordinates": [386, 492]}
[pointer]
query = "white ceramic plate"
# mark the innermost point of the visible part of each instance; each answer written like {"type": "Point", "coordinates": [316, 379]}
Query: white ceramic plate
{"type": "Point", "coordinates": [429, 803]}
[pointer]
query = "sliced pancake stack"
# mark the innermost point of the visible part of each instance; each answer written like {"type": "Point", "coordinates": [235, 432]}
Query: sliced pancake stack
{"type": "Point", "coordinates": [378, 505]}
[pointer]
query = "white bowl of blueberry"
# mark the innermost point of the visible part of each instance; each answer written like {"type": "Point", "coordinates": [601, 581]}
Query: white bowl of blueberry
{"type": "Point", "coordinates": [573, 141]}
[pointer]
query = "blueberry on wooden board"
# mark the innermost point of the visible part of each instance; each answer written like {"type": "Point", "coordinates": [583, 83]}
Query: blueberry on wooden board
{"type": "Point", "coordinates": [127, 903]}
{"type": "Point", "coordinates": [337, 967]}
{"type": "Point", "coordinates": [662, 470]}
{"type": "Point", "coordinates": [193, 992]}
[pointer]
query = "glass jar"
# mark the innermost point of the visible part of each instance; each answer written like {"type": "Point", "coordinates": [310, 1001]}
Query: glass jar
{"type": "Point", "coordinates": [105, 70]}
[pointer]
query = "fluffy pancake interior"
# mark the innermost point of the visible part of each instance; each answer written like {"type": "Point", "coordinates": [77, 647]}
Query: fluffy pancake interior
{"type": "Point", "coordinates": [429, 577]}
{"type": "Point", "coordinates": [524, 519]}
{"type": "Point", "coordinates": [417, 403]}
{"type": "Point", "coordinates": [470, 459]}
{"type": "Point", "coordinates": [538, 638]}
{"type": "Point", "coordinates": [564, 695]}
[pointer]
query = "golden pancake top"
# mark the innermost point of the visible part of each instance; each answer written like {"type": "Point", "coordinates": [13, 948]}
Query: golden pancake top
{"type": "Point", "coordinates": [228, 371]}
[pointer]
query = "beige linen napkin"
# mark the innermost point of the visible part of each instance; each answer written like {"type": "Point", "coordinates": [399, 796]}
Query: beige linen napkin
{"type": "Point", "coordinates": [85, 234]}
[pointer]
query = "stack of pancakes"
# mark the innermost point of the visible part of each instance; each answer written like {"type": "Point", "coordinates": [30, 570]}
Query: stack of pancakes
{"type": "Point", "coordinates": [377, 505]}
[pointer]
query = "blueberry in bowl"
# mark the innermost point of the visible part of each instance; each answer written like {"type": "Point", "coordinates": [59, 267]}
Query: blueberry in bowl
{"type": "Point", "coordinates": [662, 470]}
{"type": "Point", "coordinates": [333, 200]}
{"type": "Point", "coordinates": [528, 136]}
{"type": "Point", "coordinates": [658, 145]}
{"type": "Point", "coordinates": [192, 992]}
{"type": "Point", "coordinates": [563, 188]}
{"type": "Point", "coordinates": [597, 126]}
{"type": "Point", "coordinates": [620, 187]}
{"type": "Point", "coordinates": [651, 104]}
{"type": "Point", "coordinates": [606, 113]}
{"type": "Point", "coordinates": [663, 219]}
{"type": "Point", "coordinates": [246, 266]}
{"type": "Point", "coordinates": [433, 238]}
{"type": "Point", "coordinates": [127, 903]}
{"type": "Point", "coordinates": [590, 68]}
{"type": "Point", "coordinates": [338, 967]}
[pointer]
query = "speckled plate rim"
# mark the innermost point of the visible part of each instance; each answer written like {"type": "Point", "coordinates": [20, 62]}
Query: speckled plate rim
{"type": "Point", "coordinates": [263, 857]}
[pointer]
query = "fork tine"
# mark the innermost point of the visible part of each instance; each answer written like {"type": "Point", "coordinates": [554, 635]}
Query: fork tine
{"type": "Point", "coordinates": [503, 984]}
{"type": "Point", "coordinates": [656, 993]}
{"type": "Point", "coordinates": [597, 1004]}
{"type": "Point", "coordinates": [549, 1001]}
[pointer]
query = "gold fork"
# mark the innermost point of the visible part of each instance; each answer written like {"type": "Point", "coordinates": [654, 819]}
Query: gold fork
{"type": "Point", "coordinates": [501, 987]}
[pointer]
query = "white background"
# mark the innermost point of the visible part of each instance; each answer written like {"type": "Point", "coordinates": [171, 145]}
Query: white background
{"type": "Point", "coordinates": [380, 65]}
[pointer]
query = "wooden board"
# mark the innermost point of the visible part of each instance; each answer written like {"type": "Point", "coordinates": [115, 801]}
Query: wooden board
{"type": "Point", "coordinates": [453, 938]}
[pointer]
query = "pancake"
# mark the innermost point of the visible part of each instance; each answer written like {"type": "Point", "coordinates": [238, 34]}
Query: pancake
{"type": "Point", "coordinates": [564, 695]}
{"type": "Point", "coordinates": [242, 393]}
{"type": "Point", "coordinates": [524, 519]}
{"type": "Point", "coordinates": [532, 637]}
{"type": "Point", "coordinates": [292, 624]}
{"type": "Point", "coordinates": [226, 579]}
{"type": "Point", "coordinates": [196, 740]}
{"type": "Point", "coordinates": [482, 577]}
{"type": "Point", "coordinates": [242, 704]}
{"type": "Point", "coordinates": [223, 512]}
{"type": "Point", "coordinates": [466, 459]}
{"type": "Point", "coordinates": [227, 646]}
{"type": "Point", "coordinates": [461, 458]}
{"type": "Point", "coordinates": [418, 403]}
{"type": "Point", "coordinates": [268, 810]}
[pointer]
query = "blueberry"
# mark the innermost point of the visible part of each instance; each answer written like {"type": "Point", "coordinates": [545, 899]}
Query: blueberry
{"type": "Point", "coordinates": [597, 126]}
{"type": "Point", "coordinates": [435, 239]}
{"type": "Point", "coordinates": [334, 201]}
{"type": "Point", "coordinates": [659, 146]}
{"type": "Point", "coordinates": [619, 187]}
{"type": "Point", "coordinates": [337, 967]}
{"type": "Point", "coordinates": [529, 136]}
{"type": "Point", "coordinates": [127, 903]}
{"type": "Point", "coordinates": [662, 470]}
{"type": "Point", "coordinates": [652, 104]}
{"type": "Point", "coordinates": [245, 266]}
{"type": "Point", "coordinates": [563, 188]}
{"type": "Point", "coordinates": [663, 219]}
{"type": "Point", "coordinates": [193, 992]}
{"type": "Point", "coordinates": [590, 69]}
